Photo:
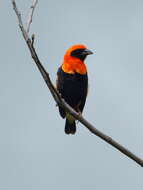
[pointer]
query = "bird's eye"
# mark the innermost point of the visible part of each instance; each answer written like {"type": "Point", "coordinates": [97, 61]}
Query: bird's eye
{"type": "Point", "coordinates": [76, 52]}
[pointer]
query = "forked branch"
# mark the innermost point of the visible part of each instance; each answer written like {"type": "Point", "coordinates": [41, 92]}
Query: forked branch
{"type": "Point", "coordinates": [54, 92]}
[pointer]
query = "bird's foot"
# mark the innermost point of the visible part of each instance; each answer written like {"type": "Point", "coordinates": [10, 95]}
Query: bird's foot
{"type": "Point", "coordinates": [80, 114]}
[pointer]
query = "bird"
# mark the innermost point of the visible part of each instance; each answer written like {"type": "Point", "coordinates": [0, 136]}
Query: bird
{"type": "Point", "coordinates": [72, 83]}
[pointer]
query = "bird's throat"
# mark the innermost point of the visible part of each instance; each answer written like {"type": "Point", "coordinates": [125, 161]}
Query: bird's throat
{"type": "Point", "coordinates": [74, 67]}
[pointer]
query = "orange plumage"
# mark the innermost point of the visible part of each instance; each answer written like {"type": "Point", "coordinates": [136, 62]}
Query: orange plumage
{"type": "Point", "coordinates": [73, 64]}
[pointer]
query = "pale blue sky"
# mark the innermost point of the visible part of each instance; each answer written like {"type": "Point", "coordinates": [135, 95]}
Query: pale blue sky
{"type": "Point", "coordinates": [35, 152]}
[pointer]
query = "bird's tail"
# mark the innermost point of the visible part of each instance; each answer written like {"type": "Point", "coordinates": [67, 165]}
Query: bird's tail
{"type": "Point", "coordinates": [70, 127]}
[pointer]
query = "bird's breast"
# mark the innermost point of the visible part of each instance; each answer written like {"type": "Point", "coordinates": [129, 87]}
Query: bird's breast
{"type": "Point", "coordinates": [74, 67]}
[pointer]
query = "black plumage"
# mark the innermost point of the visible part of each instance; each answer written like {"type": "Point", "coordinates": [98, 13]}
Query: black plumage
{"type": "Point", "coordinates": [73, 88]}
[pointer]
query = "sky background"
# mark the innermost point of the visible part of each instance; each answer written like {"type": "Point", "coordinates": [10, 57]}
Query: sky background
{"type": "Point", "coordinates": [35, 153]}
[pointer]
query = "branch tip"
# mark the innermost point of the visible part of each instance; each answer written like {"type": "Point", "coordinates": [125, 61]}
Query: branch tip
{"type": "Point", "coordinates": [30, 15]}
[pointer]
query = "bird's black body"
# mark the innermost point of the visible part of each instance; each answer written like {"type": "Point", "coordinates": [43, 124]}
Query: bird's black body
{"type": "Point", "coordinates": [73, 88]}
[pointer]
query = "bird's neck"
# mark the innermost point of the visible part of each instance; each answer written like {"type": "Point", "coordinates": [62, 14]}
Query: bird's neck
{"type": "Point", "coordinates": [74, 65]}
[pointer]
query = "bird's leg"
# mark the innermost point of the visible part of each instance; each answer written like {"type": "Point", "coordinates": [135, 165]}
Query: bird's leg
{"type": "Point", "coordinates": [79, 113]}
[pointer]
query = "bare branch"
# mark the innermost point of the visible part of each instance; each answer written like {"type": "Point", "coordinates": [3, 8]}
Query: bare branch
{"type": "Point", "coordinates": [30, 16]}
{"type": "Point", "coordinates": [25, 34]}
{"type": "Point", "coordinates": [61, 102]}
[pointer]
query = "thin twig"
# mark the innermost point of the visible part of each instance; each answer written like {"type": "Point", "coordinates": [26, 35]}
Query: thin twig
{"type": "Point", "coordinates": [25, 34]}
{"type": "Point", "coordinates": [30, 16]}
{"type": "Point", "coordinates": [61, 102]}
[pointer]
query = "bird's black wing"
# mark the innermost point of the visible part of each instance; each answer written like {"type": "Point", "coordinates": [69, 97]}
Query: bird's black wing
{"type": "Point", "coordinates": [59, 86]}
{"type": "Point", "coordinates": [73, 88]}
{"type": "Point", "coordinates": [84, 90]}
{"type": "Point", "coordinates": [82, 103]}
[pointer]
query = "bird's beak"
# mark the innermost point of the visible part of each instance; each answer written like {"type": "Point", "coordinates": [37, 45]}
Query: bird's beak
{"type": "Point", "coordinates": [87, 52]}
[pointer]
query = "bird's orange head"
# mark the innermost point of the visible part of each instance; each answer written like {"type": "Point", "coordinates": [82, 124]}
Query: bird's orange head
{"type": "Point", "coordinates": [74, 59]}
